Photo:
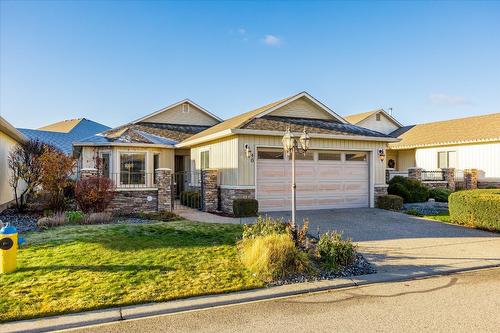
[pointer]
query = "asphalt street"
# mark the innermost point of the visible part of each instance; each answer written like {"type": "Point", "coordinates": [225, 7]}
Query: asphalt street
{"type": "Point", "coordinates": [463, 302]}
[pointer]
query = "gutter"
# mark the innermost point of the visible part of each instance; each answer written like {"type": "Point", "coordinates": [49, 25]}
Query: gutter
{"type": "Point", "coordinates": [120, 144]}
{"type": "Point", "coordinates": [235, 131]}
{"type": "Point", "coordinates": [440, 144]}
{"type": "Point", "coordinates": [11, 131]}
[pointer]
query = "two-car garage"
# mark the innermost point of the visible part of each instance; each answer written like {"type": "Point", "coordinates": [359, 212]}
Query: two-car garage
{"type": "Point", "coordinates": [325, 179]}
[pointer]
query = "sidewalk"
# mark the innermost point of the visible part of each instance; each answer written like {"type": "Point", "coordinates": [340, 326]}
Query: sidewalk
{"type": "Point", "coordinates": [197, 215]}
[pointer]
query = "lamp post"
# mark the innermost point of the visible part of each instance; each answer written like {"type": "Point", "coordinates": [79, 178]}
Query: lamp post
{"type": "Point", "coordinates": [290, 147]}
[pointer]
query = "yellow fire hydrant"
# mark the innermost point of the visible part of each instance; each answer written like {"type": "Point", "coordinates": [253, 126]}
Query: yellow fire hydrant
{"type": "Point", "coordinates": [9, 243]}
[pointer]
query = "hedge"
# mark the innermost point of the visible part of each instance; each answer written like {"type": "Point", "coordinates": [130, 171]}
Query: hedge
{"type": "Point", "coordinates": [245, 207]}
{"type": "Point", "coordinates": [439, 194]}
{"type": "Point", "coordinates": [411, 190]}
{"type": "Point", "coordinates": [390, 202]}
{"type": "Point", "coordinates": [477, 208]}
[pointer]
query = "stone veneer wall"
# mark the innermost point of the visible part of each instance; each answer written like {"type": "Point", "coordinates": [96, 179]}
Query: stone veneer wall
{"type": "Point", "coordinates": [126, 202]}
{"type": "Point", "coordinates": [436, 184]}
{"type": "Point", "coordinates": [227, 196]}
{"type": "Point", "coordinates": [379, 190]}
{"type": "Point", "coordinates": [485, 184]}
{"type": "Point", "coordinates": [210, 189]}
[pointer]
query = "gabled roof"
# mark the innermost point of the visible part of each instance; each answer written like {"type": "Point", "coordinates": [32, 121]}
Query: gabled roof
{"type": "Point", "coordinates": [11, 131]}
{"type": "Point", "coordinates": [359, 117]}
{"type": "Point", "coordinates": [477, 129]}
{"type": "Point", "coordinates": [80, 128]}
{"type": "Point", "coordinates": [143, 133]}
{"type": "Point", "coordinates": [145, 118]}
{"type": "Point", "coordinates": [239, 121]}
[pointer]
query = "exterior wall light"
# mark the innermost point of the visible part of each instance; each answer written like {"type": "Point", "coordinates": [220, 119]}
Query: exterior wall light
{"type": "Point", "coordinates": [381, 155]}
{"type": "Point", "coordinates": [248, 152]}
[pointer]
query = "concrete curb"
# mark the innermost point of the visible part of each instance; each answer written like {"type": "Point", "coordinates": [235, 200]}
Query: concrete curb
{"type": "Point", "coordinates": [203, 302]}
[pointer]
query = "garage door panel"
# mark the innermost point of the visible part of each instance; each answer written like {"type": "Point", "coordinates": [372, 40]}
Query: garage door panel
{"type": "Point", "coordinates": [320, 184]}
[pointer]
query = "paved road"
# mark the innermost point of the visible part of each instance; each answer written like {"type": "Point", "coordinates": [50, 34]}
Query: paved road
{"type": "Point", "coordinates": [465, 302]}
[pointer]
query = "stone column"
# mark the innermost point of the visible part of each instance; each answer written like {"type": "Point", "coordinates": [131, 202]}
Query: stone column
{"type": "Point", "coordinates": [210, 189]}
{"type": "Point", "coordinates": [87, 173]}
{"type": "Point", "coordinates": [164, 182]}
{"type": "Point", "coordinates": [449, 176]}
{"type": "Point", "coordinates": [415, 173]}
{"type": "Point", "coordinates": [470, 179]}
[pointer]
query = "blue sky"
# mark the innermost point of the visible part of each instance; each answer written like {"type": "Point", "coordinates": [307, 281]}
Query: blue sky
{"type": "Point", "coordinates": [113, 62]}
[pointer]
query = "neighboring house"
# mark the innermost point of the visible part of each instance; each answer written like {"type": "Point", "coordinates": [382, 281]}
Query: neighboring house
{"type": "Point", "coordinates": [62, 134]}
{"type": "Point", "coordinates": [377, 120]}
{"type": "Point", "coordinates": [465, 143]}
{"type": "Point", "coordinates": [9, 137]}
{"type": "Point", "coordinates": [342, 169]}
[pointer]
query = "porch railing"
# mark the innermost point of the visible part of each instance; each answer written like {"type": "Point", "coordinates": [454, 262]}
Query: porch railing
{"type": "Point", "coordinates": [436, 175]}
{"type": "Point", "coordinates": [133, 180]}
{"type": "Point", "coordinates": [393, 173]}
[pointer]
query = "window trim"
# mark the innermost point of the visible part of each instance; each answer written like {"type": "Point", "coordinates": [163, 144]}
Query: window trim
{"type": "Point", "coordinates": [201, 159]}
{"type": "Point", "coordinates": [447, 152]}
{"type": "Point", "coordinates": [110, 154]}
{"type": "Point", "coordinates": [146, 166]}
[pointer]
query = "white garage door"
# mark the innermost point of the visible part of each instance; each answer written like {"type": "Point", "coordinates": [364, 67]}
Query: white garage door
{"type": "Point", "coordinates": [325, 179]}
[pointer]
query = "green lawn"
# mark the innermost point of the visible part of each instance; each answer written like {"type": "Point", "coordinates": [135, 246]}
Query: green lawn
{"type": "Point", "coordinates": [443, 217]}
{"type": "Point", "coordinates": [77, 268]}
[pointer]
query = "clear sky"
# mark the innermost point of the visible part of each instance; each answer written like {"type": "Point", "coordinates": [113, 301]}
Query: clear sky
{"type": "Point", "coordinates": [113, 62]}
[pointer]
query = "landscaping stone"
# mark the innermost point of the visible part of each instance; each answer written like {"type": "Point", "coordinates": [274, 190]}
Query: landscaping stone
{"type": "Point", "coordinates": [24, 222]}
{"type": "Point", "coordinates": [427, 208]}
{"type": "Point", "coordinates": [360, 267]}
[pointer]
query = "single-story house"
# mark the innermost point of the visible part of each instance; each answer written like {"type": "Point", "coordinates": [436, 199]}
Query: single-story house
{"type": "Point", "coordinates": [465, 143]}
{"type": "Point", "coordinates": [62, 134]}
{"type": "Point", "coordinates": [9, 138]}
{"type": "Point", "coordinates": [342, 168]}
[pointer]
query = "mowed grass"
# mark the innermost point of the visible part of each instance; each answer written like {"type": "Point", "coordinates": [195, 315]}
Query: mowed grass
{"type": "Point", "coordinates": [442, 217]}
{"type": "Point", "coordinates": [78, 268]}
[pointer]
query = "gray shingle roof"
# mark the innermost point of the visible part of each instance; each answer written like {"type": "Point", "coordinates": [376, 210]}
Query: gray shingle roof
{"type": "Point", "coordinates": [274, 123]}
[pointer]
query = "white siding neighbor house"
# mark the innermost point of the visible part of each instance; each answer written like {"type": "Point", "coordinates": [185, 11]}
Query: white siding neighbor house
{"type": "Point", "coordinates": [465, 143]}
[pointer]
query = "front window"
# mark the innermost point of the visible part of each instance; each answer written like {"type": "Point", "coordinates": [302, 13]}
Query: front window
{"type": "Point", "coordinates": [133, 168]}
{"type": "Point", "coordinates": [352, 157]}
{"type": "Point", "coordinates": [447, 159]}
{"type": "Point", "coordinates": [204, 159]}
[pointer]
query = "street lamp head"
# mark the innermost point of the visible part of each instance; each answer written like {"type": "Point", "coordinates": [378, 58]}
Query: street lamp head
{"type": "Point", "coordinates": [304, 140]}
{"type": "Point", "coordinates": [288, 141]}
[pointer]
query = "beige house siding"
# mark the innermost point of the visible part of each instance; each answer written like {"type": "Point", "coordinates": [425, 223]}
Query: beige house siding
{"type": "Point", "coordinates": [406, 159]}
{"type": "Point", "coordinates": [384, 125]}
{"type": "Point", "coordinates": [6, 192]}
{"type": "Point", "coordinates": [301, 108]}
{"type": "Point", "coordinates": [175, 116]}
{"type": "Point", "coordinates": [223, 155]}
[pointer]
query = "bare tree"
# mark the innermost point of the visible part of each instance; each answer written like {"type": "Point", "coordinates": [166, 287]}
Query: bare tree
{"type": "Point", "coordinates": [25, 166]}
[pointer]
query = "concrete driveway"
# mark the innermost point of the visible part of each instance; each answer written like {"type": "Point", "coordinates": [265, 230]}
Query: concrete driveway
{"type": "Point", "coordinates": [404, 245]}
